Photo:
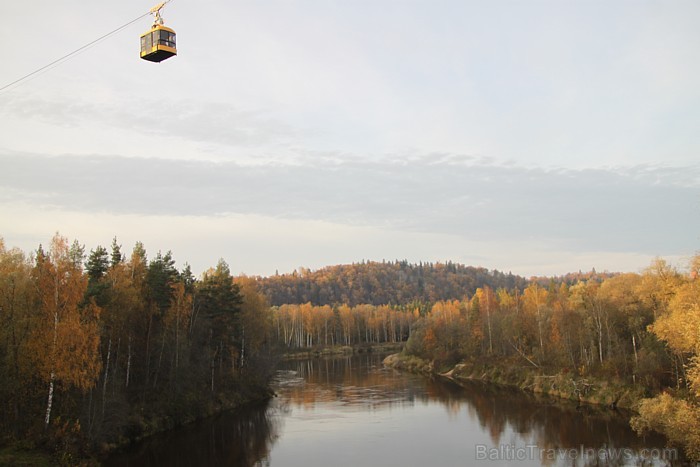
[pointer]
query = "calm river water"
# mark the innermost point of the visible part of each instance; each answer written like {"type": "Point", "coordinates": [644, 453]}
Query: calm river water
{"type": "Point", "coordinates": [351, 411]}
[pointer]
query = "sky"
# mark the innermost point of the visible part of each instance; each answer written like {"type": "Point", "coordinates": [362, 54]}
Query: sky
{"type": "Point", "coordinates": [538, 137]}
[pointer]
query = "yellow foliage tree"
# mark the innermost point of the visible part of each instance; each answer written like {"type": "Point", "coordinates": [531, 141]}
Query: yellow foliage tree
{"type": "Point", "coordinates": [679, 419]}
{"type": "Point", "coordinates": [680, 327]}
{"type": "Point", "coordinates": [534, 303]}
{"type": "Point", "coordinates": [255, 317]}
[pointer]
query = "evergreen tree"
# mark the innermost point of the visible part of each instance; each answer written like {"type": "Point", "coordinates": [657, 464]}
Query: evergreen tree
{"type": "Point", "coordinates": [117, 256]}
{"type": "Point", "coordinates": [160, 278]}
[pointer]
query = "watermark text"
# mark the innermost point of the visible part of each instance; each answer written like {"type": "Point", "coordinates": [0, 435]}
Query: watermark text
{"type": "Point", "coordinates": [511, 452]}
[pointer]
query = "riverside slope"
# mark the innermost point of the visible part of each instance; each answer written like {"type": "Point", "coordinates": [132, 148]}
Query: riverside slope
{"type": "Point", "coordinates": [565, 385]}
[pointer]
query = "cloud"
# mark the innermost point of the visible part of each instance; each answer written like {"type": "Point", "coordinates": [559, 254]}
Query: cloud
{"type": "Point", "coordinates": [255, 244]}
{"type": "Point", "coordinates": [204, 122]}
{"type": "Point", "coordinates": [646, 209]}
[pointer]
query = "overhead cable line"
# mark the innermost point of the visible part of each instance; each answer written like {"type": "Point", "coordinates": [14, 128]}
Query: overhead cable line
{"type": "Point", "coordinates": [67, 56]}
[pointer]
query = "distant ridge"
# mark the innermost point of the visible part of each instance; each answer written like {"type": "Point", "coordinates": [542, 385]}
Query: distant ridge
{"type": "Point", "coordinates": [383, 283]}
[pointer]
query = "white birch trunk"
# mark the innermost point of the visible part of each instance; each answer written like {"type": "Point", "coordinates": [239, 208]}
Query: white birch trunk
{"type": "Point", "coordinates": [52, 378]}
{"type": "Point", "coordinates": [50, 401]}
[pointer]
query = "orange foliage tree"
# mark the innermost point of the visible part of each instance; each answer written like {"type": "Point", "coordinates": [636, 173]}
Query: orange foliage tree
{"type": "Point", "coordinates": [65, 338]}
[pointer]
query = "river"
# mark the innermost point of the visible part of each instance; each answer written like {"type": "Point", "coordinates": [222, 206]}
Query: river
{"type": "Point", "coordinates": [352, 411]}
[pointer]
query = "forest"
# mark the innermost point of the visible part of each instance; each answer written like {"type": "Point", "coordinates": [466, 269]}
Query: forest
{"type": "Point", "coordinates": [306, 325]}
{"type": "Point", "coordinates": [100, 348]}
{"type": "Point", "coordinates": [640, 330]}
{"type": "Point", "coordinates": [382, 283]}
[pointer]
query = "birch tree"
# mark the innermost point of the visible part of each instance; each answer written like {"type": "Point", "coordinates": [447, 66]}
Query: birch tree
{"type": "Point", "coordinates": [66, 338]}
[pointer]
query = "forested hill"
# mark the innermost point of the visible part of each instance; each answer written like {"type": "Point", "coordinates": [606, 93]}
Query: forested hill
{"type": "Point", "coordinates": [393, 283]}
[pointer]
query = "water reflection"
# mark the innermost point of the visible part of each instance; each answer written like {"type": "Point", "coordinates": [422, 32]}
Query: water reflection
{"type": "Point", "coordinates": [559, 432]}
{"type": "Point", "coordinates": [353, 411]}
{"type": "Point", "coordinates": [237, 438]}
{"type": "Point", "coordinates": [356, 382]}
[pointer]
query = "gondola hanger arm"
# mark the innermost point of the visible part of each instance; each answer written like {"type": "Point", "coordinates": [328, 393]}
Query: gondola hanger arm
{"type": "Point", "coordinates": [155, 11]}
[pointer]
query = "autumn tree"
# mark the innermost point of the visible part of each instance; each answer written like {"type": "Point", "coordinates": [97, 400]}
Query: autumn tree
{"type": "Point", "coordinates": [256, 325]}
{"type": "Point", "coordinates": [66, 337]}
{"type": "Point", "coordinates": [111, 344]}
{"type": "Point", "coordinates": [488, 304]}
{"type": "Point", "coordinates": [679, 326]}
{"type": "Point", "coordinates": [124, 316]}
{"type": "Point", "coordinates": [347, 322]}
{"type": "Point", "coordinates": [659, 283]}
{"type": "Point", "coordinates": [535, 308]}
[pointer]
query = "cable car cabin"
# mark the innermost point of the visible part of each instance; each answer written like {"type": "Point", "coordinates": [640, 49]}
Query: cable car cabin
{"type": "Point", "coordinates": [158, 44]}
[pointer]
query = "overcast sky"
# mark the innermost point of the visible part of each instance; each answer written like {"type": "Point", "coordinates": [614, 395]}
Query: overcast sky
{"type": "Point", "coordinates": [538, 137]}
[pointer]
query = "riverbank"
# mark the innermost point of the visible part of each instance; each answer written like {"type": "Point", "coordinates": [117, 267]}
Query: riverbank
{"type": "Point", "coordinates": [23, 453]}
{"type": "Point", "coordinates": [144, 428]}
{"type": "Point", "coordinates": [317, 352]}
{"type": "Point", "coordinates": [564, 385]}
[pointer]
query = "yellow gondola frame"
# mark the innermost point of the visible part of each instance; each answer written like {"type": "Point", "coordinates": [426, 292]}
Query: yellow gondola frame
{"type": "Point", "coordinates": [158, 43]}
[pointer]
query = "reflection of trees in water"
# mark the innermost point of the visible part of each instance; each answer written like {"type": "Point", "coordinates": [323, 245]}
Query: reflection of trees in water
{"type": "Point", "coordinates": [553, 425]}
{"type": "Point", "coordinates": [356, 381]}
{"type": "Point", "coordinates": [245, 437]}
{"type": "Point", "coordinates": [544, 422]}
{"type": "Point", "coordinates": [238, 438]}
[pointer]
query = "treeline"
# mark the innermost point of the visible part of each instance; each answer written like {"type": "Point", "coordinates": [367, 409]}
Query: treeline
{"type": "Point", "coordinates": [641, 329]}
{"type": "Point", "coordinates": [102, 347]}
{"type": "Point", "coordinates": [572, 278]}
{"type": "Point", "coordinates": [299, 326]}
{"type": "Point", "coordinates": [385, 283]}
